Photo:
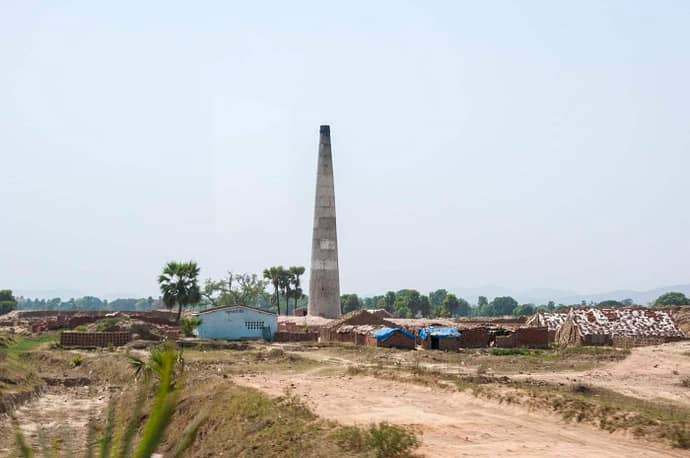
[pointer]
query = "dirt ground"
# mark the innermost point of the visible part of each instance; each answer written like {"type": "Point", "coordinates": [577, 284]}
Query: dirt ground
{"type": "Point", "coordinates": [648, 373]}
{"type": "Point", "coordinates": [452, 423]}
{"type": "Point", "coordinates": [60, 415]}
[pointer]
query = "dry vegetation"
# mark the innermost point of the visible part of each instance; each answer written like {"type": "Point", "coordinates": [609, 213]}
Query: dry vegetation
{"type": "Point", "coordinates": [243, 421]}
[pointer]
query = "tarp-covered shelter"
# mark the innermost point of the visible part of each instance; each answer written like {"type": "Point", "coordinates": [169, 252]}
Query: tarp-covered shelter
{"type": "Point", "coordinates": [440, 338]}
{"type": "Point", "coordinates": [391, 337]}
{"type": "Point", "coordinates": [618, 326]}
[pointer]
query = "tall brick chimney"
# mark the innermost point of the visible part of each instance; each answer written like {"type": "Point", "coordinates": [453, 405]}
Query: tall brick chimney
{"type": "Point", "coordinates": [324, 284]}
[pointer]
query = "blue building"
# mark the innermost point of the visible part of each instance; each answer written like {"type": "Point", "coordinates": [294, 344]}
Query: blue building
{"type": "Point", "coordinates": [236, 322]}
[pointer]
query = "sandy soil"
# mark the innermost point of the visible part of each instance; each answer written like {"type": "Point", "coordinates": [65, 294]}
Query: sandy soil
{"type": "Point", "coordinates": [452, 423]}
{"type": "Point", "coordinates": [648, 373]}
{"type": "Point", "coordinates": [63, 413]}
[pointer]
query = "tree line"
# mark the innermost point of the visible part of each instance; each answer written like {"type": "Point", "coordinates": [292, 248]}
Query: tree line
{"type": "Point", "coordinates": [408, 303]}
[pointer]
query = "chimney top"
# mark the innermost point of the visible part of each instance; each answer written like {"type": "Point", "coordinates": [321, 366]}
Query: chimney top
{"type": "Point", "coordinates": [325, 129]}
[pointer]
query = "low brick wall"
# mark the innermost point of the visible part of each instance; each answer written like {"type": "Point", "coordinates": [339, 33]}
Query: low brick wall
{"type": "Point", "coordinates": [628, 341]}
{"type": "Point", "coordinates": [94, 339]}
{"type": "Point", "coordinates": [509, 341]}
{"type": "Point", "coordinates": [532, 337]}
{"type": "Point", "coordinates": [283, 336]}
{"type": "Point", "coordinates": [474, 338]}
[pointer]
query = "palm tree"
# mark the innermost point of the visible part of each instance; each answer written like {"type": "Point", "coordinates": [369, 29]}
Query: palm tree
{"type": "Point", "coordinates": [179, 285]}
{"type": "Point", "coordinates": [285, 285]}
{"type": "Point", "coordinates": [274, 275]}
{"type": "Point", "coordinates": [297, 291]}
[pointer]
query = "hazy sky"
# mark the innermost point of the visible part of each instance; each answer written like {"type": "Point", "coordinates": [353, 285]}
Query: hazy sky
{"type": "Point", "coordinates": [524, 144]}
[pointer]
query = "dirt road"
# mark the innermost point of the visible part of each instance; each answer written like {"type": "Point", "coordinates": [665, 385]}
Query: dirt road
{"type": "Point", "coordinates": [648, 373]}
{"type": "Point", "coordinates": [452, 423]}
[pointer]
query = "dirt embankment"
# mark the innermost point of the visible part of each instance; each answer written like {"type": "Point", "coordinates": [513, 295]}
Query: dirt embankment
{"type": "Point", "coordinates": [453, 423]}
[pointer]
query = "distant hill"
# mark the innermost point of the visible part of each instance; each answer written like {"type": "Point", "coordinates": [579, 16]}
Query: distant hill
{"type": "Point", "coordinates": [543, 295]}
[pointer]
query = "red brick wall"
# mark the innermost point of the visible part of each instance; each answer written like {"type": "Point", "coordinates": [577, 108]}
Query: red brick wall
{"type": "Point", "coordinates": [508, 341]}
{"type": "Point", "coordinates": [282, 336]}
{"type": "Point", "coordinates": [532, 337]}
{"type": "Point", "coordinates": [94, 339]}
{"type": "Point", "coordinates": [621, 341]}
{"type": "Point", "coordinates": [474, 338]}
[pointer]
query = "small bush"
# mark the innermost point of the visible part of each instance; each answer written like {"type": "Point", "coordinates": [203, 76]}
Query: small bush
{"type": "Point", "coordinates": [275, 353]}
{"type": "Point", "coordinates": [383, 440]}
{"type": "Point", "coordinates": [354, 370]}
{"type": "Point", "coordinates": [188, 325]}
{"type": "Point", "coordinates": [685, 382]}
{"type": "Point", "coordinates": [76, 361]}
{"type": "Point", "coordinates": [680, 437]}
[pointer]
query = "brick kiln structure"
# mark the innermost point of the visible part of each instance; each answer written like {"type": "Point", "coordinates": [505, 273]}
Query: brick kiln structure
{"type": "Point", "coordinates": [550, 320]}
{"type": "Point", "coordinates": [618, 326]}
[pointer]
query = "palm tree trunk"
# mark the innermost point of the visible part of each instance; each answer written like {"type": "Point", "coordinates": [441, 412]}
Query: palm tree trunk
{"type": "Point", "coordinates": [179, 312]}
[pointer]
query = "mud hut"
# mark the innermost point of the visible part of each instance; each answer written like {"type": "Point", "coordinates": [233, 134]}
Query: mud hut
{"type": "Point", "coordinates": [391, 338]}
{"type": "Point", "coordinates": [440, 338]}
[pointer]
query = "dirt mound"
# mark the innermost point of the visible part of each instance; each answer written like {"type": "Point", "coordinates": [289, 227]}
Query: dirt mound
{"type": "Point", "coordinates": [140, 330]}
{"type": "Point", "coordinates": [359, 318]}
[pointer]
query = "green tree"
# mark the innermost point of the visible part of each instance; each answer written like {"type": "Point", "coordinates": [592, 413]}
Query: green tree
{"type": "Point", "coordinates": [524, 310]}
{"type": "Point", "coordinates": [437, 297]}
{"type": "Point", "coordinates": [7, 301]}
{"type": "Point", "coordinates": [673, 298]}
{"type": "Point", "coordinates": [451, 304]}
{"type": "Point", "coordinates": [285, 283]}
{"type": "Point", "coordinates": [610, 303]}
{"type": "Point", "coordinates": [350, 303]}
{"type": "Point", "coordinates": [275, 276]}
{"type": "Point", "coordinates": [504, 305]}
{"type": "Point", "coordinates": [297, 293]}
{"type": "Point", "coordinates": [179, 285]}
{"type": "Point", "coordinates": [486, 309]}
{"type": "Point", "coordinates": [245, 289]}
{"type": "Point", "coordinates": [482, 301]}
{"type": "Point", "coordinates": [389, 301]}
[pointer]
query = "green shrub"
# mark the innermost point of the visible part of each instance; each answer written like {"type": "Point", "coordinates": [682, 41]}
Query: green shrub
{"type": "Point", "coordinates": [680, 437]}
{"type": "Point", "coordinates": [383, 440]}
{"type": "Point", "coordinates": [76, 361]}
{"type": "Point", "coordinates": [188, 325]}
{"type": "Point", "coordinates": [107, 324]}
{"type": "Point", "coordinates": [510, 352]}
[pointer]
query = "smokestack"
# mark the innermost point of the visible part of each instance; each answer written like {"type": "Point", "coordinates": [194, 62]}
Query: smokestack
{"type": "Point", "coordinates": [324, 284]}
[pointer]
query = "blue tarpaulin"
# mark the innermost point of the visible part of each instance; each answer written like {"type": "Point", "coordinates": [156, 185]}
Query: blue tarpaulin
{"type": "Point", "coordinates": [441, 333]}
{"type": "Point", "coordinates": [384, 333]}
